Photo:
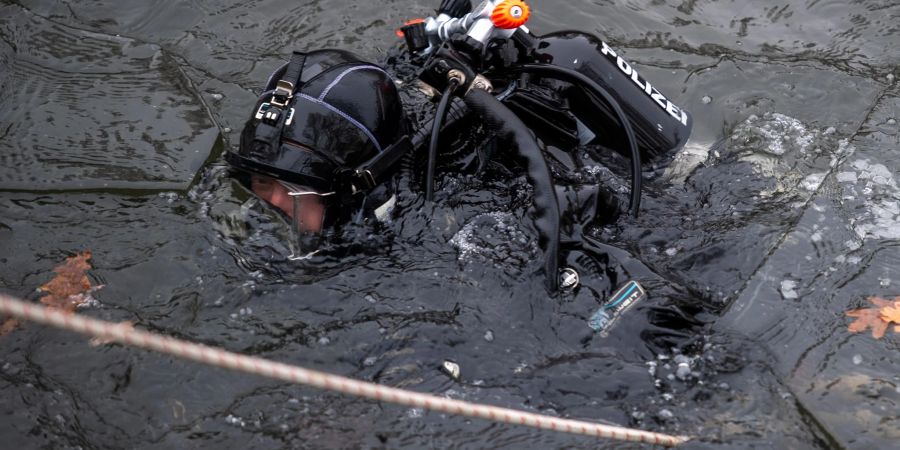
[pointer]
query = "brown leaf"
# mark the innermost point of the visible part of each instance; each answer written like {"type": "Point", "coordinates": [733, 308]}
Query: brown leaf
{"type": "Point", "coordinates": [874, 317]}
{"type": "Point", "coordinates": [9, 324]}
{"type": "Point", "coordinates": [891, 313]}
{"type": "Point", "coordinates": [71, 286]}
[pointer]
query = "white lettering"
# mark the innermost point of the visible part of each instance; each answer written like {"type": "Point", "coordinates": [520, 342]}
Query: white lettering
{"type": "Point", "coordinates": [636, 79]}
{"type": "Point", "coordinates": [624, 66]}
{"type": "Point", "coordinates": [644, 85]}
{"type": "Point", "coordinates": [673, 110]}
{"type": "Point", "coordinates": [660, 99]}
{"type": "Point", "coordinates": [606, 50]}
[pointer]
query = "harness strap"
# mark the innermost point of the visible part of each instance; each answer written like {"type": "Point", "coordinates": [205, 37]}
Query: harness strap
{"type": "Point", "coordinates": [371, 172]}
{"type": "Point", "coordinates": [289, 82]}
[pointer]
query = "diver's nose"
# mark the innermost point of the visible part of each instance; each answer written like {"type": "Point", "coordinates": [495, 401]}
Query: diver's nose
{"type": "Point", "coordinates": [280, 198]}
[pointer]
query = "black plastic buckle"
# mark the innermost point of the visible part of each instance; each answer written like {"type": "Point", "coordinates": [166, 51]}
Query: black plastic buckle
{"type": "Point", "coordinates": [354, 181]}
{"type": "Point", "coordinates": [366, 178]}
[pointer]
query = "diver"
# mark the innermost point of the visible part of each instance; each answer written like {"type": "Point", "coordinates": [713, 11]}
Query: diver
{"type": "Point", "coordinates": [326, 138]}
{"type": "Point", "coordinates": [322, 139]}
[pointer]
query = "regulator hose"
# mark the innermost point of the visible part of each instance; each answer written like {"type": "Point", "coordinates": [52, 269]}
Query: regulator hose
{"type": "Point", "coordinates": [456, 111]}
{"type": "Point", "coordinates": [510, 128]}
{"type": "Point", "coordinates": [435, 134]}
{"type": "Point", "coordinates": [578, 78]}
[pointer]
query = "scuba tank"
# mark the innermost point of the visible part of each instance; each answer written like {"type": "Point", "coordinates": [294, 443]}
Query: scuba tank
{"type": "Point", "coordinates": [494, 33]}
{"type": "Point", "coordinates": [661, 127]}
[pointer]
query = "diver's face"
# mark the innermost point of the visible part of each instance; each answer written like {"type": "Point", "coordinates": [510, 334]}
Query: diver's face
{"type": "Point", "coordinates": [311, 210]}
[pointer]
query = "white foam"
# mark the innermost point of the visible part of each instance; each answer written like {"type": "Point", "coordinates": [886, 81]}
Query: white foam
{"type": "Point", "coordinates": [877, 188]}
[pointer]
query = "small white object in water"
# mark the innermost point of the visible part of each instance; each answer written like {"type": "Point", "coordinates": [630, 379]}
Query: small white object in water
{"type": "Point", "coordinates": [857, 360]}
{"type": "Point", "coordinates": [370, 361]}
{"type": "Point", "coordinates": [451, 368]}
{"type": "Point", "coordinates": [683, 372]}
{"type": "Point", "coordinates": [892, 121]}
{"type": "Point", "coordinates": [706, 99]}
{"type": "Point", "coordinates": [233, 420]}
{"type": "Point", "coordinates": [884, 282]}
{"type": "Point", "coordinates": [217, 96]}
{"type": "Point", "coordinates": [788, 289]}
{"type": "Point", "coordinates": [671, 251]}
{"type": "Point", "coordinates": [226, 129]}
{"type": "Point", "coordinates": [324, 340]}
{"type": "Point", "coordinates": [666, 414]}
{"type": "Point", "coordinates": [489, 336]}
{"type": "Point", "coordinates": [370, 299]}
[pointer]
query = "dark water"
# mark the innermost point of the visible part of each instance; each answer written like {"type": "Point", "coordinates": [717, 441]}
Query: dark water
{"type": "Point", "coordinates": [781, 215]}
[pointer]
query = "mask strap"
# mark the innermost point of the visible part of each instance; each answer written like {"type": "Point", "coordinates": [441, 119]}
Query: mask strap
{"type": "Point", "coordinates": [290, 81]}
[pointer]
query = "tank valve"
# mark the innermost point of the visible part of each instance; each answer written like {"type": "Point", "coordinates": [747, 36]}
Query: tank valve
{"type": "Point", "coordinates": [455, 74]}
{"type": "Point", "coordinates": [510, 14]}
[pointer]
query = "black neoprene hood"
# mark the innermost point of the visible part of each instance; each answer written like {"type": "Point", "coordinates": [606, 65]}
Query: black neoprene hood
{"type": "Point", "coordinates": [344, 112]}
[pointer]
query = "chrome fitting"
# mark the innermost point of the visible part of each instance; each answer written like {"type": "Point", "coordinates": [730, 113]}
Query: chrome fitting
{"type": "Point", "coordinates": [482, 83]}
{"type": "Point", "coordinates": [457, 75]}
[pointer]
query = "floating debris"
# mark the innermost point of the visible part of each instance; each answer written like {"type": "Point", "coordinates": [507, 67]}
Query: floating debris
{"type": "Point", "coordinates": [234, 420]}
{"type": "Point", "coordinates": [788, 290]}
{"type": "Point", "coordinates": [451, 369]}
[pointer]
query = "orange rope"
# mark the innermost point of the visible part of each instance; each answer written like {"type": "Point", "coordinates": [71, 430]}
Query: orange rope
{"type": "Point", "coordinates": [108, 331]}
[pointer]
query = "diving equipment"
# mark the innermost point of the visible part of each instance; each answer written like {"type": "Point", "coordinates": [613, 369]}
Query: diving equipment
{"type": "Point", "coordinates": [329, 121]}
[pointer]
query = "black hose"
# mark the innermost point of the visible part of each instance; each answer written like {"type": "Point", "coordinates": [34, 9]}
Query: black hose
{"type": "Point", "coordinates": [456, 111]}
{"type": "Point", "coordinates": [510, 128]}
{"type": "Point", "coordinates": [575, 77]}
{"type": "Point", "coordinates": [435, 134]}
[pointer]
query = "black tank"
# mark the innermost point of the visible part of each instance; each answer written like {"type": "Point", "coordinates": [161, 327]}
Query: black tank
{"type": "Point", "coordinates": [661, 127]}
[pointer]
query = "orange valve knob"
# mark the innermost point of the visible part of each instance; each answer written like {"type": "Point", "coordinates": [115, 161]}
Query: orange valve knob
{"type": "Point", "coordinates": [510, 14]}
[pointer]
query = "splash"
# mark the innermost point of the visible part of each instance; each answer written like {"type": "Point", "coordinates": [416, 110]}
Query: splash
{"type": "Point", "coordinates": [495, 237]}
{"type": "Point", "coordinates": [873, 188]}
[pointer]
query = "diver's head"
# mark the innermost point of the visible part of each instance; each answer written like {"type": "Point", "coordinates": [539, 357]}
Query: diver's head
{"type": "Point", "coordinates": [320, 119]}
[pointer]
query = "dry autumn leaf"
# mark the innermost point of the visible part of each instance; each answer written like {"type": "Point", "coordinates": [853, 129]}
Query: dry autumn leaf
{"type": "Point", "coordinates": [70, 287]}
{"type": "Point", "coordinates": [877, 318]}
{"type": "Point", "coordinates": [9, 324]}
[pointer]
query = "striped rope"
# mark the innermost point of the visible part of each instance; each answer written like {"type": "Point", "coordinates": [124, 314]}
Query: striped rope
{"type": "Point", "coordinates": [125, 334]}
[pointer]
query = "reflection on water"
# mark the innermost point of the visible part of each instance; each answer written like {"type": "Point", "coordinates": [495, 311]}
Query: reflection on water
{"type": "Point", "coordinates": [783, 215]}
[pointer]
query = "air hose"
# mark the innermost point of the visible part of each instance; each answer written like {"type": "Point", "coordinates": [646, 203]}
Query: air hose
{"type": "Point", "coordinates": [578, 78]}
{"type": "Point", "coordinates": [435, 135]}
{"type": "Point", "coordinates": [509, 127]}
